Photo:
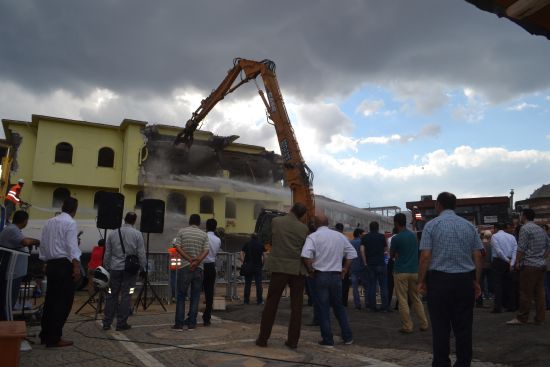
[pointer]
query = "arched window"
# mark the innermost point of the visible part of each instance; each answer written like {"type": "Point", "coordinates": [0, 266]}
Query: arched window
{"type": "Point", "coordinates": [106, 157]}
{"type": "Point", "coordinates": [59, 196]}
{"type": "Point", "coordinates": [64, 153]}
{"type": "Point", "coordinates": [258, 207]}
{"type": "Point", "coordinates": [230, 209]}
{"type": "Point", "coordinates": [139, 199]}
{"type": "Point", "coordinates": [176, 203]}
{"type": "Point", "coordinates": [207, 205]}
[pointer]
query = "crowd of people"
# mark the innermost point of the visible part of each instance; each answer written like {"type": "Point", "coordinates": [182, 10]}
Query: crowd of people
{"type": "Point", "coordinates": [454, 267]}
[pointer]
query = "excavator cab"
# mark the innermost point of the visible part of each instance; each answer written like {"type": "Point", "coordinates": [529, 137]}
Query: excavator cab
{"type": "Point", "coordinates": [263, 226]}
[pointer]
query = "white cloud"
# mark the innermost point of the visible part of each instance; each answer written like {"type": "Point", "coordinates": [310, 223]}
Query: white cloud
{"type": "Point", "coordinates": [426, 131]}
{"type": "Point", "coordinates": [369, 108]}
{"type": "Point", "coordinates": [426, 96]}
{"type": "Point", "coordinates": [320, 125]}
{"type": "Point", "coordinates": [522, 106]}
{"type": "Point", "coordinates": [339, 143]}
{"type": "Point", "coordinates": [380, 139]}
{"type": "Point", "coordinates": [470, 94]}
{"type": "Point", "coordinates": [465, 171]}
{"type": "Point", "coordinates": [473, 110]}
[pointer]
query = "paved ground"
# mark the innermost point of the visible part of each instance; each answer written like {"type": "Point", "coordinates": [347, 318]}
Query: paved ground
{"type": "Point", "coordinates": [229, 341]}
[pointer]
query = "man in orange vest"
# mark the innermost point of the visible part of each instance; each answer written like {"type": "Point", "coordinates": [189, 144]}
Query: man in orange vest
{"type": "Point", "coordinates": [174, 265]}
{"type": "Point", "coordinates": [13, 199]}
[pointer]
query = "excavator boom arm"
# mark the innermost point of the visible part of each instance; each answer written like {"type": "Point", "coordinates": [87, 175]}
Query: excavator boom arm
{"type": "Point", "coordinates": [297, 174]}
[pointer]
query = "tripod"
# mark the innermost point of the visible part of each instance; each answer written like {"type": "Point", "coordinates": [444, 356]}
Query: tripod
{"type": "Point", "coordinates": [99, 308]}
{"type": "Point", "coordinates": [142, 297]}
{"type": "Point", "coordinates": [97, 290]}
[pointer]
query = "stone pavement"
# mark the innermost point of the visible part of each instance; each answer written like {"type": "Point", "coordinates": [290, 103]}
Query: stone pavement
{"type": "Point", "coordinates": [152, 342]}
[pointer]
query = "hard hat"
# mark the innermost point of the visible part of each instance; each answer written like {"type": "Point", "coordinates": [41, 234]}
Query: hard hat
{"type": "Point", "coordinates": [101, 278]}
{"type": "Point", "coordinates": [21, 181]}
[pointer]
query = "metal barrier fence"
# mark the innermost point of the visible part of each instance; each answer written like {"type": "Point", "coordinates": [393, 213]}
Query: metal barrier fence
{"type": "Point", "coordinates": [159, 276]}
{"type": "Point", "coordinates": [164, 281]}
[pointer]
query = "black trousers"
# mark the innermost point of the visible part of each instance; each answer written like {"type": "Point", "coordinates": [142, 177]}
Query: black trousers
{"type": "Point", "coordinates": [208, 284]}
{"type": "Point", "coordinates": [346, 283]}
{"type": "Point", "coordinates": [504, 290]}
{"type": "Point", "coordinates": [451, 299]}
{"type": "Point", "coordinates": [59, 299]}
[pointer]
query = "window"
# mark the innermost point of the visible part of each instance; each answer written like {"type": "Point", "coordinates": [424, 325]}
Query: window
{"type": "Point", "coordinates": [258, 207]}
{"type": "Point", "coordinates": [64, 153]}
{"type": "Point", "coordinates": [207, 205]}
{"type": "Point", "coordinates": [230, 209]}
{"type": "Point", "coordinates": [106, 157]}
{"type": "Point", "coordinates": [139, 199]}
{"type": "Point", "coordinates": [59, 196]}
{"type": "Point", "coordinates": [176, 203]}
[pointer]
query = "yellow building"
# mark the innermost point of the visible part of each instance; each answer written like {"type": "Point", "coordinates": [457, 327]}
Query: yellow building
{"type": "Point", "coordinates": [59, 157]}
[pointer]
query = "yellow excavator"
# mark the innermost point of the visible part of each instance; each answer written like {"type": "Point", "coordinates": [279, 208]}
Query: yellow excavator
{"type": "Point", "coordinates": [297, 174]}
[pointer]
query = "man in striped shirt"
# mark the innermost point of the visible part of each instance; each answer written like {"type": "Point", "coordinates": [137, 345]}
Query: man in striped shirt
{"type": "Point", "coordinates": [449, 272]}
{"type": "Point", "coordinates": [533, 248]}
{"type": "Point", "coordinates": [192, 244]}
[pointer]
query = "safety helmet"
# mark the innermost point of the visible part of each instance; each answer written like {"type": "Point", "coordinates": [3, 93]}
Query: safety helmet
{"type": "Point", "coordinates": [101, 278]}
{"type": "Point", "coordinates": [21, 181]}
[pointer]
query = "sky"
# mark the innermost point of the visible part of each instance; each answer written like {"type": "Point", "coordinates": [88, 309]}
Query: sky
{"type": "Point", "coordinates": [389, 100]}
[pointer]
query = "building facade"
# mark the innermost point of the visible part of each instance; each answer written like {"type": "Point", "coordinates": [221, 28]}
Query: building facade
{"type": "Point", "coordinates": [539, 201]}
{"type": "Point", "coordinates": [59, 157]}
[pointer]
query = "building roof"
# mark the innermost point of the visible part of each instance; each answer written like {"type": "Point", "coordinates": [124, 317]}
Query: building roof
{"type": "Point", "coordinates": [429, 204]}
{"type": "Point", "coordinates": [531, 15]}
{"type": "Point", "coordinates": [541, 192]}
{"type": "Point", "coordinates": [36, 118]}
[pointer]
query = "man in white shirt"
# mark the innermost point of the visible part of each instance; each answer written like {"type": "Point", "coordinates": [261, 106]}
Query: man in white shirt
{"type": "Point", "coordinates": [59, 250]}
{"type": "Point", "coordinates": [503, 250]}
{"type": "Point", "coordinates": [209, 276]}
{"type": "Point", "coordinates": [322, 253]}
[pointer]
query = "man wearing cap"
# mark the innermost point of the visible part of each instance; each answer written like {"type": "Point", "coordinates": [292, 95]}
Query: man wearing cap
{"type": "Point", "coordinates": [13, 198]}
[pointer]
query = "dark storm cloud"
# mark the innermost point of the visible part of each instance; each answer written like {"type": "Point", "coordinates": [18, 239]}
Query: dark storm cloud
{"type": "Point", "coordinates": [322, 48]}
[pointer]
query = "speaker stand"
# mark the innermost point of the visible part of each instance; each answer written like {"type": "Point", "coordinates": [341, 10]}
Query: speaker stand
{"type": "Point", "coordinates": [142, 297]}
{"type": "Point", "coordinates": [90, 301]}
{"type": "Point", "coordinates": [99, 308]}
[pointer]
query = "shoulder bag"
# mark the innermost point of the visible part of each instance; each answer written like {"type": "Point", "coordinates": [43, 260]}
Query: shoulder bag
{"type": "Point", "coordinates": [131, 262]}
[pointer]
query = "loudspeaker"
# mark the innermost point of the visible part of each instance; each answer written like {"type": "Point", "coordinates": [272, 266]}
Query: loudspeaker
{"type": "Point", "coordinates": [109, 210]}
{"type": "Point", "coordinates": [152, 216]}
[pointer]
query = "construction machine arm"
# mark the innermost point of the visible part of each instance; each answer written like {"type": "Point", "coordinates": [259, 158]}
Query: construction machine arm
{"type": "Point", "coordinates": [296, 172]}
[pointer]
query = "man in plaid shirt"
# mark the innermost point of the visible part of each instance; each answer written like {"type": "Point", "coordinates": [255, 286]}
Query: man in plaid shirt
{"type": "Point", "coordinates": [192, 245]}
{"type": "Point", "coordinates": [449, 272]}
{"type": "Point", "coordinates": [533, 248]}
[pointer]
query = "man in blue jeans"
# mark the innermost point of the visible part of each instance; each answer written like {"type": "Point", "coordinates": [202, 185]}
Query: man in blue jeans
{"type": "Point", "coordinates": [373, 247]}
{"type": "Point", "coordinates": [322, 253]}
{"type": "Point", "coordinates": [192, 245]}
